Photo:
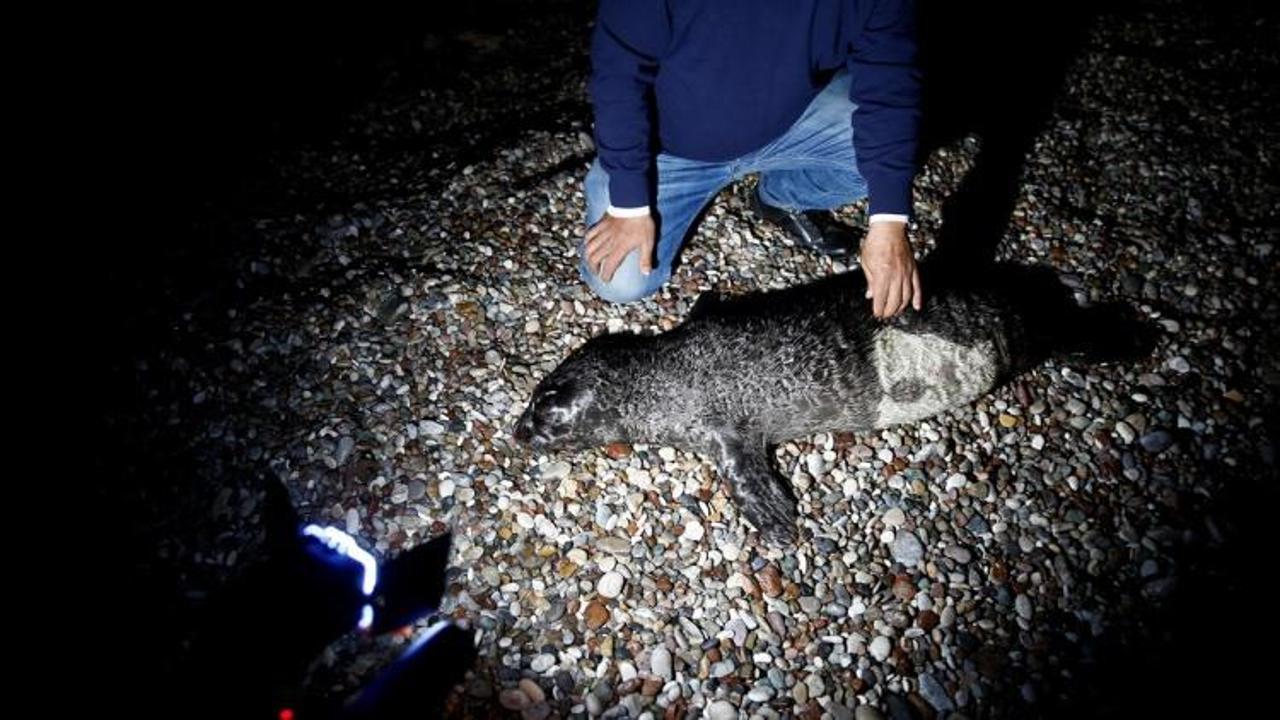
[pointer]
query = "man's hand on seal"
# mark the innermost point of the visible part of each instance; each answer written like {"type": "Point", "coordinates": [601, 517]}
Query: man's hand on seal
{"type": "Point", "coordinates": [612, 239]}
{"type": "Point", "coordinates": [893, 282]}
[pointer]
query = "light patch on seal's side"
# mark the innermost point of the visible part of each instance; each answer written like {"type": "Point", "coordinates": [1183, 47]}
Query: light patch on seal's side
{"type": "Point", "coordinates": [922, 375]}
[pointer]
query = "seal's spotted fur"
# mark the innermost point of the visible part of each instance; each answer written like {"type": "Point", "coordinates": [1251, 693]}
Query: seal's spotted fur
{"type": "Point", "coordinates": [744, 374]}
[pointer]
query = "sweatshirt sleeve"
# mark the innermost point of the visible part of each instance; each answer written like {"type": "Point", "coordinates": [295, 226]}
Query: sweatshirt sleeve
{"type": "Point", "coordinates": [629, 37]}
{"type": "Point", "coordinates": [885, 85]}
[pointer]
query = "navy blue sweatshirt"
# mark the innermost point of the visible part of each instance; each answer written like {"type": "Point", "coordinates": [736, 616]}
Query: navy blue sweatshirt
{"type": "Point", "coordinates": [721, 78]}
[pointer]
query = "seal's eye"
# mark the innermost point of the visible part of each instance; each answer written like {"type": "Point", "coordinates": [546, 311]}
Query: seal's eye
{"type": "Point", "coordinates": [554, 412]}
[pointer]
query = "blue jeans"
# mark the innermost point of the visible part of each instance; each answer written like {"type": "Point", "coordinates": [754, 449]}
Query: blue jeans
{"type": "Point", "coordinates": [812, 166]}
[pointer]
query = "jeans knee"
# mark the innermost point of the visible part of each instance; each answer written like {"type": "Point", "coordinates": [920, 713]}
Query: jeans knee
{"type": "Point", "coordinates": [628, 283]}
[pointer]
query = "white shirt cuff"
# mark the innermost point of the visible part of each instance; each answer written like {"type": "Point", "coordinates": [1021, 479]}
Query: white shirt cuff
{"type": "Point", "coordinates": [618, 212]}
{"type": "Point", "coordinates": [887, 217]}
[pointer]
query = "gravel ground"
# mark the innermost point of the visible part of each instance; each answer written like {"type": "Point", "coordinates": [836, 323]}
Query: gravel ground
{"type": "Point", "coordinates": [382, 324]}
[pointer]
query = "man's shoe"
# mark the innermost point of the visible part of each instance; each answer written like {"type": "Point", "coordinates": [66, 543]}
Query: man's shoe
{"type": "Point", "coordinates": [815, 230]}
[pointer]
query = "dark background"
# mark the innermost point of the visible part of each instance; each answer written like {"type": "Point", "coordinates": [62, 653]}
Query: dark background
{"type": "Point", "coordinates": [175, 124]}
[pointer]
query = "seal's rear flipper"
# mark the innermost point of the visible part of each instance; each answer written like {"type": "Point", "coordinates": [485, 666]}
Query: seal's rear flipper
{"type": "Point", "coordinates": [1107, 333]}
{"type": "Point", "coordinates": [763, 496]}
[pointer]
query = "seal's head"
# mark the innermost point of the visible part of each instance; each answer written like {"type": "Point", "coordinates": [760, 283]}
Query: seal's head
{"type": "Point", "coordinates": [554, 418]}
{"type": "Point", "coordinates": [567, 411]}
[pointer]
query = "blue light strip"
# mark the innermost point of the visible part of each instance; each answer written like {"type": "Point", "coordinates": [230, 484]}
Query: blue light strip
{"type": "Point", "coordinates": [344, 544]}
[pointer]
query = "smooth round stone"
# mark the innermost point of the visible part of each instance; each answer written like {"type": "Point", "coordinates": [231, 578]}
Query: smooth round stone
{"type": "Point", "coordinates": [1126, 432]}
{"type": "Point", "coordinates": [906, 548]}
{"type": "Point", "coordinates": [978, 525]}
{"type": "Point", "coordinates": [554, 470]}
{"type": "Point", "coordinates": [616, 545]}
{"type": "Point", "coordinates": [721, 710]}
{"type": "Point", "coordinates": [1156, 441]}
{"type": "Point", "coordinates": [345, 446]}
{"type": "Point", "coordinates": [948, 616]}
{"type": "Point", "coordinates": [760, 694]}
{"type": "Point", "coordinates": [660, 663]}
{"type": "Point", "coordinates": [693, 532]}
{"type": "Point", "coordinates": [959, 554]}
{"type": "Point", "coordinates": [610, 585]}
{"type": "Point", "coordinates": [1022, 604]}
{"type": "Point", "coordinates": [533, 691]}
{"type": "Point", "coordinates": [894, 517]}
{"type": "Point", "coordinates": [881, 647]}
{"type": "Point", "coordinates": [935, 694]}
{"type": "Point", "coordinates": [730, 552]}
{"type": "Point", "coordinates": [446, 488]}
{"type": "Point", "coordinates": [814, 465]}
{"type": "Point", "coordinates": [542, 663]}
{"type": "Point", "coordinates": [817, 688]}
{"type": "Point", "coordinates": [722, 668]}
{"type": "Point", "coordinates": [801, 693]}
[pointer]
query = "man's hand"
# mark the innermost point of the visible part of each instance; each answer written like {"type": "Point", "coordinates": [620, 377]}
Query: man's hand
{"type": "Point", "coordinates": [893, 282]}
{"type": "Point", "coordinates": [612, 239]}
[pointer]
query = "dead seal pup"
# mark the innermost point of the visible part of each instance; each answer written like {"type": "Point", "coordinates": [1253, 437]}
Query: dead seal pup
{"type": "Point", "coordinates": [741, 375]}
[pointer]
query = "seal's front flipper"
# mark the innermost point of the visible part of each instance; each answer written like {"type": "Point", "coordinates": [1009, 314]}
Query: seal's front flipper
{"type": "Point", "coordinates": [763, 496]}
